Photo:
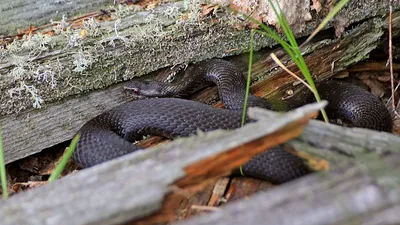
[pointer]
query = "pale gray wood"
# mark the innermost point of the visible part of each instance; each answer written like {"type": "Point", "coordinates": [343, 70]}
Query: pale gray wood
{"type": "Point", "coordinates": [362, 193]}
{"type": "Point", "coordinates": [136, 44]}
{"type": "Point", "coordinates": [20, 14]}
{"type": "Point", "coordinates": [30, 132]}
{"type": "Point", "coordinates": [336, 143]}
{"type": "Point", "coordinates": [350, 141]}
{"type": "Point", "coordinates": [131, 186]}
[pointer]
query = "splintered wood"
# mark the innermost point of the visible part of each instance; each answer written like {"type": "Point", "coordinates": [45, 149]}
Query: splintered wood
{"type": "Point", "coordinates": [150, 185]}
{"type": "Point", "coordinates": [205, 172]}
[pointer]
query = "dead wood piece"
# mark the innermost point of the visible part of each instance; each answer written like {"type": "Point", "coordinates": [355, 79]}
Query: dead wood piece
{"type": "Point", "coordinates": [209, 169]}
{"type": "Point", "coordinates": [338, 144]}
{"type": "Point", "coordinates": [218, 191]}
{"type": "Point", "coordinates": [336, 55]}
{"type": "Point", "coordinates": [348, 142]}
{"type": "Point", "coordinates": [21, 14]}
{"type": "Point", "coordinates": [30, 132]}
{"type": "Point", "coordinates": [373, 66]}
{"type": "Point", "coordinates": [243, 187]}
{"type": "Point", "coordinates": [367, 192]}
{"type": "Point", "coordinates": [135, 185]}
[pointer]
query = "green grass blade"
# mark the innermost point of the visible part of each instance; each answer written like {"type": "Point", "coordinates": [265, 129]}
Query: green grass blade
{"type": "Point", "coordinates": [3, 169]}
{"type": "Point", "coordinates": [248, 76]}
{"type": "Point", "coordinates": [268, 31]}
{"type": "Point", "coordinates": [284, 24]}
{"type": "Point", "coordinates": [330, 15]}
{"type": "Point", "coordinates": [293, 50]}
{"type": "Point", "coordinates": [60, 167]}
{"type": "Point", "coordinates": [285, 45]}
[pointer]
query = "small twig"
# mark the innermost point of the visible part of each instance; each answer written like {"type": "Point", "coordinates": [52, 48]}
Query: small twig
{"type": "Point", "coordinates": [398, 105]}
{"type": "Point", "coordinates": [390, 55]}
{"type": "Point", "coordinates": [394, 107]}
{"type": "Point", "coordinates": [205, 208]}
{"type": "Point", "coordinates": [390, 99]}
{"type": "Point", "coordinates": [273, 56]}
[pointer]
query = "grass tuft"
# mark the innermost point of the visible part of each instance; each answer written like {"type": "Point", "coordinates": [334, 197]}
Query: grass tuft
{"type": "Point", "coordinates": [324, 22]}
{"type": "Point", "coordinates": [67, 155]}
{"type": "Point", "coordinates": [291, 47]}
{"type": "Point", "coordinates": [248, 77]}
{"type": "Point", "coordinates": [3, 170]}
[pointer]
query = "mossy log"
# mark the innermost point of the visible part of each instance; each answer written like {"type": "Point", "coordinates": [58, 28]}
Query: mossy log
{"type": "Point", "coordinates": [32, 130]}
{"type": "Point", "coordinates": [134, 186]}
{"type": "Point", "coordinates": [364, 192]}
{"type": "Point", "coordinates": [60, 69]}
{"type": "Point", "coordinates": [76, 56]}
{"type": "Point", "coordinates": [151, 182]}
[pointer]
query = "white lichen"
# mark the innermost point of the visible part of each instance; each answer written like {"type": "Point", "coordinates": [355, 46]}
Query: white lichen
{"type": "Point", "coordinates": [92, 27]}
{"type": "Point", "coordinates": [124, 10]}
{"type": "Point", "coordinates": [60, 26]}
{"type": "Point", "coordinates": [3, 52]}
{"type": "Point", "coordinates": [45, 74]}
{"type": "Point", "coordinates": [172, 12]}
{"type": "Point", "coordinates": [82, 61]}
{"type": "Point", "coordinates": [74, 40]}
{"type": "Point", "coordinates": [18, 91]}
{"type": "Point", "coordinates": [117, 36]}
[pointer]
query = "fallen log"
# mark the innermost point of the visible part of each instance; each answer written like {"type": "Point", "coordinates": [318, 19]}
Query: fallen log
{"type": "Point", "coordinates": [134, 186]}
{"type": "Point", "coordinates": [366, 191]}
{"type": "Point", "coordinates": [31, 131]}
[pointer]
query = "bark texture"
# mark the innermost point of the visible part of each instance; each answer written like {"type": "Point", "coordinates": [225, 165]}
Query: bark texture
{"type": "Point", "coordinates": [135, 185]}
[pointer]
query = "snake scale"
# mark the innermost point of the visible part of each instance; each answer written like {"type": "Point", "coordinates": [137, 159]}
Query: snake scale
{"type": "Point", "coordinates": [110, 134]}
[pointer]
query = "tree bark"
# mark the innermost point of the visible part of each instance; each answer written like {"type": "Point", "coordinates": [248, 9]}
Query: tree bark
{"type": "Point", "coordinates": [98, 196]}
{"type": "Point", "coordinates": [33, 130]}
{"type": "Point", "coordinates": [365, 192]}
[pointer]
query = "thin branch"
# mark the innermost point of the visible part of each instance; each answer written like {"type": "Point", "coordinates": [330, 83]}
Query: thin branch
{"type": "Point", "coordinates": [391, 56]}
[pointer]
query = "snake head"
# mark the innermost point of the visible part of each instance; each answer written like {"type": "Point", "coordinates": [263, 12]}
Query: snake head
{"type": "Point", "coordinates": [146, 88]}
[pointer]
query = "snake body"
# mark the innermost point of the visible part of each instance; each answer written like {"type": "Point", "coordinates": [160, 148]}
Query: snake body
{"type": "Point", "coordinates": [110, 134]}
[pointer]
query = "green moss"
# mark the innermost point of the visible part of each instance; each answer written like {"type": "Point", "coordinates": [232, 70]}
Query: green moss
{"type": "Point", "coordinates": [100, 54]}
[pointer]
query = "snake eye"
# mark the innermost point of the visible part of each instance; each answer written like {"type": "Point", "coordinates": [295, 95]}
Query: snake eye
{"type": "Point", "coordinates": [134, 90]}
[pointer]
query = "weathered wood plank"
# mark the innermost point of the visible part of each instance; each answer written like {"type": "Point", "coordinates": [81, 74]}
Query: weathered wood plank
{"type": "Point", "coordinates": [323, 63]}
{"type": "Point", "coordinates": [20, 14]}
{"type": "Point", "coordinates": [29, 133]}
{"type": "Point", "coordinates": [32, 131]}
{"type": "Point", "coordinates": [349, 141]}
{"type": "Point", "coordinates": [134, 186]}
{"type": "Point", "coordinates": [129, 45]}
{"type": "Point", "coordinates": [364, 193]}
{"type": "Point", "coordinates": [336, 144]}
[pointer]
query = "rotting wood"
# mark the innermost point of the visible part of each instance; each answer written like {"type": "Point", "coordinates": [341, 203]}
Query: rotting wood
{"type": "Point", "coordinates": [218, 191]}
{"type": "Point", "coordinates": [21, 14]}
{"type": "Point", "coordinates": [323, 63]}
{"type": "Point", "coordinates": [97, 196]}
{"type": "Point", "coordinates": [365, 192]}
{"type": "Point", "coordinates": [340, 142]}
{"type": "Point", "coordinates": [373, 66]}
{"type": "Point", "coordinates": [340, 145]}
{"type": "Point", "coordinates": [185, 208]}
{"type": "Point", "coordinates": [32, 131]}
{"type": "Point", "coordinates": [100, 54]}
{"type": "Point", "coordinates": [243, 187]}
{"type": "Point", "coordinates": [208, 170]}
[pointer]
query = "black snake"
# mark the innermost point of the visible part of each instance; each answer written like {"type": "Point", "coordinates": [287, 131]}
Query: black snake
{"type": "Point", "coordinates": [110, 134]}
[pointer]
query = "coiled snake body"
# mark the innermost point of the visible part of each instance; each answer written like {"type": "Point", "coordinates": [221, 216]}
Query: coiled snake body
{"type": "Point", "coordinates": [110, 134]}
